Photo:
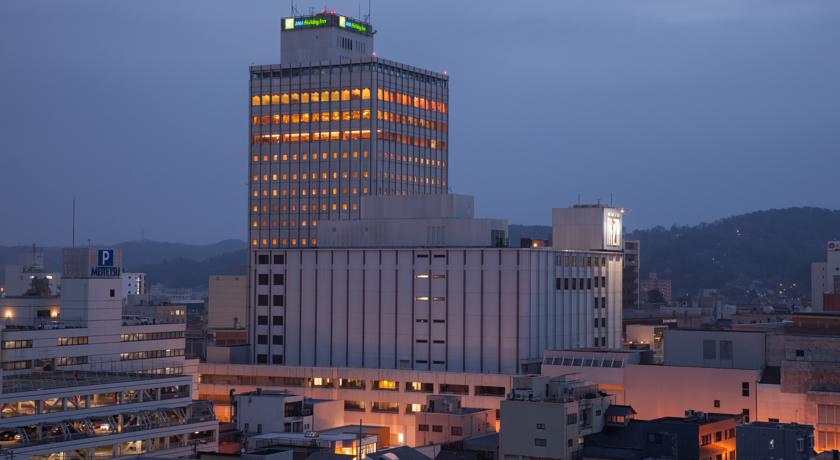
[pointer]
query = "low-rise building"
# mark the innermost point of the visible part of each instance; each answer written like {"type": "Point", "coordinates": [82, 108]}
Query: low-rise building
{"type": "Point", "coordinates": [788, 441]}
{"type": "Point", "coordinates": [697, 435]}
{"type": "Point", "coordinates": [443, 421]}
{"type": "Point", "coordinates": [283, 412]}
{"type": "Point", "coordinates": [548, 417]}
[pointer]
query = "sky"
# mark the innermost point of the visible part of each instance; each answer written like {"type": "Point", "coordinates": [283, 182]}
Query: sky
{"type": "Point", "coordinates": [681, 111]}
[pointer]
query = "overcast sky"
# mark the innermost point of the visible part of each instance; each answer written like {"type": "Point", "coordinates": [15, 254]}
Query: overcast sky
{"type": "Point", "coordinates": [685, 111]}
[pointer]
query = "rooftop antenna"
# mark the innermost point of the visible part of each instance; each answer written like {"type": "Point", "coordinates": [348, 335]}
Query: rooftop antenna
{"type": "Point", "coordinates": [578, 199]}
{"type": "Point", "coordinates": [611, 199]}
{"type": "Point", "coordinates": [74, 223]}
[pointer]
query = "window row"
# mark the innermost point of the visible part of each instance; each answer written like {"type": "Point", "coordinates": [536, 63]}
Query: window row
{"type": "Point", "coordinates": [314, 117]}
{"type": "Point", "coordinates": [569, 260]}
{"type": "Point", "coordinates": [313, 156]}
{"type": "Point", "coordinates": [410, 179]}
{"type": "Point", "coordinates": [263, 243]}
{"type": "Point", "coordinates": [277, 279]}
{"type": "Point", "coordinates": [72, 341]}
{"type": "Point", "coordinates": [334, 191]}
{"type": "Point", "coordinates": [311, 97]}
{"type": "Point", "coordinates": [316, 136]}
{"type": "Point", "coordinates": [304, 207]}
{"type": "Point", "coordinates": [307, 176]}
{"type": "Point", "coordinates": [169, 353]}
{"type": "Point", "coordinates": [583, 361]}
{"type": "Point", "coordinates": [413, 159]}
{"type": "Point", "coordinates": [412, 121]}
{"type": "Point", "coordinates": [581, 283]}
{"type": "Point", "coordinates": [143, 336]}
{"type": "Point", "coordinates": [71, 360]}
{"type": "Point", "coordinates": [411, 101]}
{"type": "Point", "coordinates": [453, 430]}
{"type": "Point", "coordinates": [15, 344]}
{"type": "Point", "coordinates": [276, 300]}
{"type": "Point", "coordinates": [262, 339]}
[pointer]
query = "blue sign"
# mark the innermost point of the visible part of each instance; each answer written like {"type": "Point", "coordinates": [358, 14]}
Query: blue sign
{"type": "Point", "coordinates": [105, 264]}
{"type": "Point", "coordinates": [106, 258]}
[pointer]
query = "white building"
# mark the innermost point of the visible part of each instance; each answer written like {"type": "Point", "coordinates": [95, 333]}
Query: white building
{"type": "Point", "coordinates": [400, 302]}
{"type": "Point", "coordinates": [133, 284]}
{"type": "Point", "coordinates": [825, 279]}
{"type": "Point", "coordinates": [85, 382]}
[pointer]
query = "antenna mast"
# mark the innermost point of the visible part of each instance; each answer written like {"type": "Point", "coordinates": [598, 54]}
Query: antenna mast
{"type": "Point", "coordinates": [74, 223]}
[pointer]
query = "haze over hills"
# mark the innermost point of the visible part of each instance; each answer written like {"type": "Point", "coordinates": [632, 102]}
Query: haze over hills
{"type": "Point", "coordinates": [757, 250]}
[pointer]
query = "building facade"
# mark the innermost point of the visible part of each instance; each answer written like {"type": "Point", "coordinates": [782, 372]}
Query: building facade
{"type": "Point", "coordinates": [80, 379]}
{"type": "Point", "coordinates": [547, 418]}
{"type": "Point", "coordinates": [825, 280]}
{"type": "Point", "coordinates": [332, 123]}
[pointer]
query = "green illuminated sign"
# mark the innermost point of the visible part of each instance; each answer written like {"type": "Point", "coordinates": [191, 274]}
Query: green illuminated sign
{"type": "Point", "coordinates": [325, 21]}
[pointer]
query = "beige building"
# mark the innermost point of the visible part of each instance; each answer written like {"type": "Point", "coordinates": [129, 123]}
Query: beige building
{"type": "Point", "coordinates": [547, 418]}
{"type": "Point", "coordinates": [227, 301]}
{"type": "Point", "coordinates": [445, 421]}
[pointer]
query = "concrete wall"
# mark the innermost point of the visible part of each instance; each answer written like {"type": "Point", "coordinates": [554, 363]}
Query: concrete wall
{"type": "Point", "coordinates": [686, 348]}
{"type": "Point", "coordinates": [227, 301]}
{"type": "Point", "coordinates": [461, 310]}
{"type": "Point", "coordinates": [660, 391]}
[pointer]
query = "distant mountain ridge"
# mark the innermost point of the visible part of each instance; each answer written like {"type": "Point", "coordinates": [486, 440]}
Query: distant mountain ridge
{"type": "Point", "coordinates": [757, 250]}
{"type": "Point", "coordinates": [752, 251]}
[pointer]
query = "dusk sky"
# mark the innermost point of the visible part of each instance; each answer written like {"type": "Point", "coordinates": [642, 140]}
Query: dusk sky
{"type": "Point", "coordinates": [684, 111]}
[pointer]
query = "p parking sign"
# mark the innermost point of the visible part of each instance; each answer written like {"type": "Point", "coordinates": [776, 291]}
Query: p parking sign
{"type": "Point", "coordinates": [106, 258]}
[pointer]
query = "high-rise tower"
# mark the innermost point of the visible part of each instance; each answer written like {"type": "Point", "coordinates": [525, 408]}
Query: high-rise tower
{"type": "Point", "coordinates": [331, 123]}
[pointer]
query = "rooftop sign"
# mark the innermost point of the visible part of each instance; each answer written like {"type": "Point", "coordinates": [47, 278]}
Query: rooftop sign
{"type": "Point", "coordinates": [325, 19]}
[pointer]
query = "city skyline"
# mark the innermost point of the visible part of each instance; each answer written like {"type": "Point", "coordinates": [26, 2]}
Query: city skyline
{"type": "Point", "coordinates": [770, 86]}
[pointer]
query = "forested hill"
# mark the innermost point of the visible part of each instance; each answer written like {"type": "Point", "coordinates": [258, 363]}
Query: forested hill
{"type": "Point", "coordinates": [749, 251]}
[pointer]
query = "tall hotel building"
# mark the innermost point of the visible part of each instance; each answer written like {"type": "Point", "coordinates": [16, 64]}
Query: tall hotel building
{"type": "Point", "coordinates": [332, 123]}
{"type": "Point", "coordinates": [368, 282]}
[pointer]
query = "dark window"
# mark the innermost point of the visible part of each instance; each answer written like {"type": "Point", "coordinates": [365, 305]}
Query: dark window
{"type": "Point", "coordinates": [746, 414]}
{"type": "Point", "coordinates": [262, 279]}
{"type": "Point", "coordinates": [262, 359]}
{"type": "Point", "coordinates": [437, 428]}
{"type": "Point", "coordinates": [726, 350]}
{"type": "Point", "coordinates": [565, 283]}
{"type": "Point", "coordinates": [540, 426]}
{"type": "Point", "coordinates": [718, 436]}
{"type": "Point", "coordinates": [277, 339]}
{"type": "Point", "coordinates": [540, 442]}
{"type": "Point", "coordinates": [262, 339]}
{"type": "Point", "coordinates": [589, 283]}
{"type": "Point", "coordinates": [113, 293]}
{"type": "Point", "coordinates": [262, 300]}
{"type": "Point", "coordinates": [262, 259]}
{"type": "Point", "coordinates": [422, 427]}
{"type": "Point", "coordinates": [717, 402]}
{"type": "Point", "coordinates": [277, 320]}
{"type": "Point", "coordinates": [559, 283]}
{"type": "Point", "coordinates": [654, 438]}
{"type": "Point", "coordinates": [596, 322]}
{"type": "Point", "coordinates": [800, 353]}
{"type": "Point", "coordinates": [571, 419]}
{"type": "Point", "coordinates": [279, 259]}
{"type": "Point", "coordinates": [276, 359]}
{"type": "Point", "coordinates": [456, 431]}
{"type": "Point", "coordinates": [278, 279]}
{"type": "Point", "coordinates": [603, 322]}
{"type": "Point", "coordinates": [709, 351]}
{"type": "Point", "coordinates": [569, 443]}
{"type": "Point", "coordinates": [745, 388]}
{"type": "Point", "coordinates": [262, 320]}
{"type": "Point", "coordinates": [278, 300]}
{"type": "Point", "coordinates": [574, 283]}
